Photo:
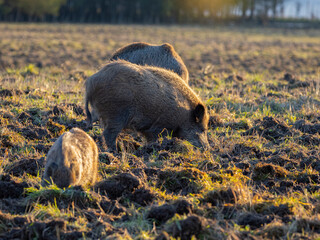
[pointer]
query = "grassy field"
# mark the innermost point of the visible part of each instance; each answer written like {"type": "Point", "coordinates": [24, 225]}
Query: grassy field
{"type": "Point", "coordinates": [259, 180]}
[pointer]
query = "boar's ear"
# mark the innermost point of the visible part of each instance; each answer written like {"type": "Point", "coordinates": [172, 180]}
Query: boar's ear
{"type": "Point", "coordinates": [198, 112]}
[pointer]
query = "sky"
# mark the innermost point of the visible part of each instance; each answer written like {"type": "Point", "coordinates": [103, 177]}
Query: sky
{"type": "Point", "coordinates": [308, 8]}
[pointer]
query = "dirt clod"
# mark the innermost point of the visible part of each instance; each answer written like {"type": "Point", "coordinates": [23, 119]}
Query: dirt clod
{"type": "Point", "coordinates": [47, 230]}
{"type": "Point", "coordinates": [306, 127]}
{"type": "Point", "coordinates": [267, 170]}
{"type": "Point", "coordinates": [118, 185]}
{"type": "Point", "coordinates": [36, 133]}
{"type": "Point", "coordinates": [24, 117]}
{"type": "Point", "coordinates": [9, 138]}
{"type": "Point", "coordinates": [215, 121]}
{"type": "Point", "coordinates": [30, 166]}
{"type": "Point", "coordinates": [234, 78]}
{"type": "Point", "coordinates": [143, 196]}
{"type": "Point", "coordinates": [107, 157]}
{"type": "Point", "coordinates": [253, 220]}
{"type": "Point", "coordinates": [282, 210]}
{"type": "Point", "coordinates": [289, 77]}
{"type": "Point", "coordinates": [42, 148]}
{"type": "Point", "coordinates": [243, 149]}
{"type": "Point", "coordinates": [271, 128]}
{"type": "Point", "coordinates": [78, 110]}
{"type": "Point", "coordinates": [185, 229]}
{"type": "Point", "coordinates": [58, 110]}
{"type": "Point", "coordinates": [307, 225]}
{"type": "Point", "coordinates": [166, 211]}
{"type": "Point", "coordinates": [11, 189]}
{"type": "Point", "coordinates": [55, 128]}
{"type": "Point", "coordinates": [221, 196]}
{"type": "Point", "coordinates": [186, 181]}
{"type": "Point", "coordinates": [162, 213]}
{"type": "Point", "coordinates": [309, 140]}
{"type": "Point", "coordinates": [183, 207]}
{"type": "Point", "coordinates": [10, 93]}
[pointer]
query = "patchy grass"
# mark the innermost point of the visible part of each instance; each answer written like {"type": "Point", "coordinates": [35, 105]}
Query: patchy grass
{"type": "Point", "coordinates": [259, 179]}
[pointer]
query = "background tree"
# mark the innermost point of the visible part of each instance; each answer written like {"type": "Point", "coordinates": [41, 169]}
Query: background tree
{"type": "Point", "coordinates": [140, 11]}
{"type": "Point", "coordinates": [35, 8]}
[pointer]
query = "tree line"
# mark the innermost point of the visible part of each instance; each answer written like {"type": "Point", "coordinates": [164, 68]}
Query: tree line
{"type": "Point", "coordinates": [139, 11]}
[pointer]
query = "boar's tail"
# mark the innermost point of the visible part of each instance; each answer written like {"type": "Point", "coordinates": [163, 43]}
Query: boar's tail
{"type": "Point", "coordinates": [89, 117]}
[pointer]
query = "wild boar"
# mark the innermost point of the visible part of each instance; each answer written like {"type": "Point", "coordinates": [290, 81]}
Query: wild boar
{"type": "Point", "coordinates": [72, 160]}
{"type": "Point", "coordinates": [140, 53]}
{"type": "Point", "coordinates": [163, 56]}
{"type": "Point", "coordinates": [146, 99]}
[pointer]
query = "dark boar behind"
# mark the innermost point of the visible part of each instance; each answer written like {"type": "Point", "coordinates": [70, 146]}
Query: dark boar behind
{"type": "Point", "coordinates": [163, 56]}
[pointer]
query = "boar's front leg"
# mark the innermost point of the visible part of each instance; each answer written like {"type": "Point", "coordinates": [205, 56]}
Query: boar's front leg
{"type": "Point", "coordinates": [110, 135]}
{"type": "Point", "coordinates": [153, 134]}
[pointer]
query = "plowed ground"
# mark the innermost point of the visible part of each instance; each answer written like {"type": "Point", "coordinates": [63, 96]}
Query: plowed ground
{"type": "Point", "coordinates": [259, 179]}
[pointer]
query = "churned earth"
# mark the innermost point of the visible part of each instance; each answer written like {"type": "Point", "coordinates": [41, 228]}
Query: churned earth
{"type": "Point", "coordinates": [259, 179]}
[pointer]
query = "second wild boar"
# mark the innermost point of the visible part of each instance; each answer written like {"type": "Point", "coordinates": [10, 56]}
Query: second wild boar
{"type": "Point", "coordinates": [163, 56]}
{"type": "Point", "coordinates": [146, 99]}
{"type": "Point", "coordinates": [72, 160]}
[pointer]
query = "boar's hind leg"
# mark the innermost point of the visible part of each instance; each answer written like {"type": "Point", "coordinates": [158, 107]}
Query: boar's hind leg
{"type": "Point", "coordinates": [110, 135]}
{"type": "Point", "coordinates": [113, 128]}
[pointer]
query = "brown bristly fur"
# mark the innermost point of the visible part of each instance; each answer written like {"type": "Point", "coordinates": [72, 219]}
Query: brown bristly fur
{"type": "Point", "coordinates": [147, 99]}
{"type": "Point", "coordinates": [72, 160]}
{"type": "Point", "coordinates": [163, 56]}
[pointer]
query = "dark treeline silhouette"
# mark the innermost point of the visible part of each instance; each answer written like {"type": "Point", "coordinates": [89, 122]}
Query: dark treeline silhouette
{"type": "Point", "coordinates": [139, 11]}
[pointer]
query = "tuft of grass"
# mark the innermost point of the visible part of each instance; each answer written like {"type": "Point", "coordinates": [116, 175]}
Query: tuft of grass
{"type": "Point", "coordinates": [267, 170]}
{"type": "Point", "coordinates": [137, 225]}
{"type": "Point", "coordinates": [52, 192]}
{"type": "Point", "coordinates": [56, 128]}
{"type": "Point", "coordinates": [49, 211]}
{"type": "Point", "coordinates": [9, 138]}
{"type": "Point", "coordinates": [187, 180]}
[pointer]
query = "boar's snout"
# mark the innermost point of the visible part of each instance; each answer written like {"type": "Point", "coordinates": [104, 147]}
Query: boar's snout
{"type": "Point", "coordinates": [92, 118]}
{"type": "Point", "coordinates": [201, 141]}
{"type": "Point", "coordinates": [197, 139]}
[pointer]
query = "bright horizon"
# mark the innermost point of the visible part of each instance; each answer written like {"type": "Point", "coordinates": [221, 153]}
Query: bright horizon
{"type": "Point", "coordinates": [308, 8]}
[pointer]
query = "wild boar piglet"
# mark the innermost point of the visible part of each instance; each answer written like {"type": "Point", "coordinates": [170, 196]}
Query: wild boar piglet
{"type": "Point", "coordinates": [146, 99]}
{"type": "Point", "coordinates": [72, 160]}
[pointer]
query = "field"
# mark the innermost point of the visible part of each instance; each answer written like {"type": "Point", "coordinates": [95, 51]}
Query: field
{"type": "Point", "coordinates": [259, 180]}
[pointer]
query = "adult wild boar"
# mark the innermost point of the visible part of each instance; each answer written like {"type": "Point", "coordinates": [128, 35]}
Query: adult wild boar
{"type": "Point", "coordinates": [72, 160]}
{"type": "Point", "coordinates": [147, 99]}
{"type": "Point", "coordinates": [140, 53]}
{"type": "Point", "coordinates": [163, 56]}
